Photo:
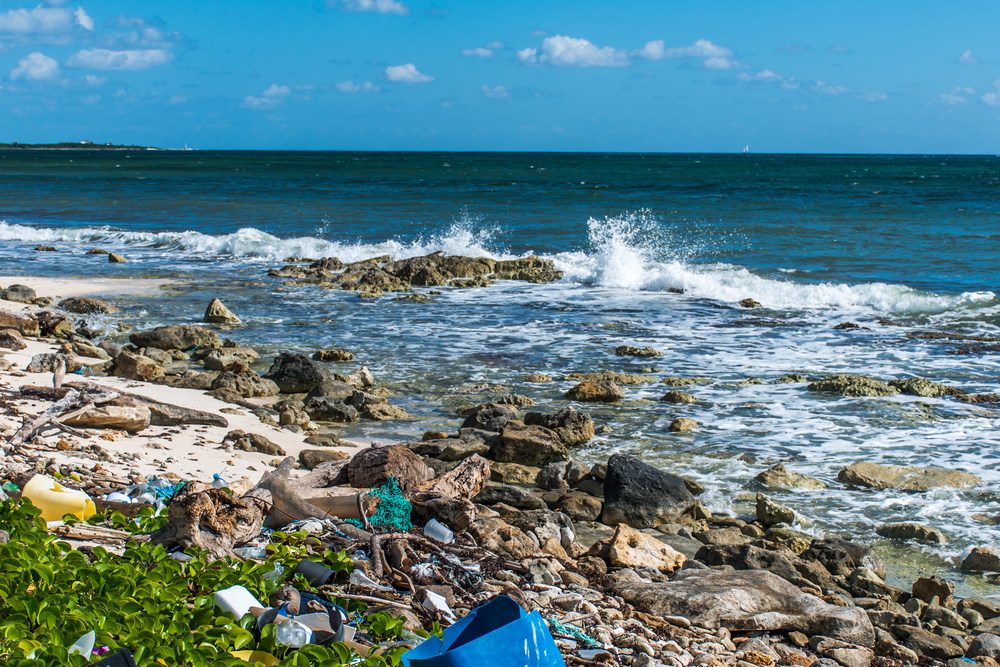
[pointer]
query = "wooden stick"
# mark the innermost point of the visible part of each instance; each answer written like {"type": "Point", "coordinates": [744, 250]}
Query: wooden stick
{"type": "Point", "coordinates": [330, 590]}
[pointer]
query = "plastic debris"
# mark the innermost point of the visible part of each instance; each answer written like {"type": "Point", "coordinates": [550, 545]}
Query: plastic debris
{"type": "Point", "coordinates": [393, 508]}
{"type": "Point", "coordinates": [84, 645]}
{"type": "Point", "coordinates": [56, 500]}
{"type": "Point", "coordinates": [570, 631]}
{"type": "Point", "coordinates": [236, 599]}
{"type": "Point", "coordinates": [292, 633]}
{"type": "Point", "coordinates": [438, 531]}
{"type": "Point", "coordinates": [499, 633]}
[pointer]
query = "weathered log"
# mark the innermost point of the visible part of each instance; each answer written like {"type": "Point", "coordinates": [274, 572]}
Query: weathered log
{"type": "Point", "coordinates": [465, 480]}
{"type": "Point", "coordinates": [210, 519]}
{"type": "Point", "coordinates": [130, 419]}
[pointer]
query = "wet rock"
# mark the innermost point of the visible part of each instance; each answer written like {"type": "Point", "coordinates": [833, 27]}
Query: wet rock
{"type": "Point", "coordinates": [984, 645]}
{"type": "Point", "coordinates": [514, 473]}
{"type": "Point", "coordinates": [217, 313]}
{"type": "Point", "coordinates": [538, 378]}
{"type": "Point", "coordinates": [516, 400]}
{"type": "Point", "coordinates": [11, 340]}
{"type": "Point", "coordinates": [911, 531]}
{"type": "Point", "coordinates": [252, 442]}
{"type": "Point", "coordinates": [295, 373]}
{"type": "Point", "coordinates": [528, 445]}
{"type": "Point", "coordinates": [781, 477]}
{"type": "Point", "coordinates": [310, 458]}
{"type": "Point", "coordinates": [748, 601]}
{"type": "Point", "coordinates": [678, 398]}
{"type": "Point", "coordinates": [674, 381]}
{"type": "Point", "coordinates": [927, 643]}
{"type": "Point", "coordinates": [136, 367]}
{"type": "Point", "coordinates": [18, 293]}
{"type": "Point", "coordinates": [620, 379]}
{"type": "Point", "coordinates": [224, 357]}
{"type": "Point", "coordinates": [631, 548]}
{"type": "Point", "coordinates": [642, 496]}
{"type": "Point", "coordinates": [865, 583]}
{"type": "Point", "coordinates": [791, 378]}
{"type": "Point", "coordinates": [24, 324]}
{"type": "Point", "coordinates": [630, 351]}
{"type": "Point", "coordinates": [54, 324]}
{"type": "Point", "coordinates": [332, 388]}
{"type": "Point", "coordinates": [573, 427]}
{"type": "Point", "coordinates": [596, 392]}
{"type": "Point", "coordinates": [329, 410]}
{"type": "Point", "coordinates": [513, 496]}
{"type": "Point", "coordinates": [875, 476]}
{"type": "Point", "coordinates": [770, 513]}
{"type": "Point", "coordinates": [383, 412]}
{"type": "Point", "coordinates": [682, 425]}
{"type": "Point", "coordinates": [981, 559]}
{"type": "Point", "coordinates": [489, 417]}
{"type": "Point", "coordinates": [83, 305]}
{"type": "Point", "coordinates": [190, 380]}
{"type": "Point", "coordinates": [359, 379]}
{"type": "Point", "coordinates": [842, 557]}
{"type": "Point", "coordinates": [115, 258]}
{"type": "Point", "coordinates": [246, 383]}
{"type": "Point", "coordinates": [332, 355]}
{"type": "Point", "coordinates": [853, 385]}
{"type": "Point", "coordinates": [96, 251]}
{"type": "Point", "coordinates": [749, 303]}
{"type": "Point", "coordinates": [498, 536]}
{"type": "Point", "coordinates": [923, 387]}
{"type": "Point", "coordinates": [373, 466]}
{"type": "Point", "coordinates": [795, 540]}
{"type": "Point", "coordinates": [176, 337]}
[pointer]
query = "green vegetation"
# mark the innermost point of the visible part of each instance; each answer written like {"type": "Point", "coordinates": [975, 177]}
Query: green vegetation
{"type": "Point", "coordinates": [159, 608]}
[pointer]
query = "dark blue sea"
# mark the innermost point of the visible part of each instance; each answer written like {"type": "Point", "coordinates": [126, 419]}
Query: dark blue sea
{"type": "Point", "coordinates": [656, 249]}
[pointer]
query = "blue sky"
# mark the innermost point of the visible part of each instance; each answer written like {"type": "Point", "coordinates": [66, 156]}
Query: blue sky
{"type": "Point", "coordinates": [852, 77]}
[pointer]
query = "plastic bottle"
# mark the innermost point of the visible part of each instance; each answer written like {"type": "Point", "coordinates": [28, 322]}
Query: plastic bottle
{"type": "Point", "coordinates": [84, 645]}
{"type": "Point", "coordinates": [292, 633]}
{"type": "Point", "coordinates": [218, 482]}
{"type": "Point", "coordinates": [438, 531]}
{"type": "Point", "coordinates": [55, 500]}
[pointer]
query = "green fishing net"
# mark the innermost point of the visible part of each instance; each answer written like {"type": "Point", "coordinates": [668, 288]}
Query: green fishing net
{"type": "Point", "coordinates": [393, 508]}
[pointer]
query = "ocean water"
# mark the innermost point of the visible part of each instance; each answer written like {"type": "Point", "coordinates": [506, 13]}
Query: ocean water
{"type": "Point", "coordinates": [901, 245]}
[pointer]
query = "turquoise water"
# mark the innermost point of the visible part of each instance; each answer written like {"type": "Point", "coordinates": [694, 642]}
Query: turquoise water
{"type": "Point", "coordinates": [817, 240]}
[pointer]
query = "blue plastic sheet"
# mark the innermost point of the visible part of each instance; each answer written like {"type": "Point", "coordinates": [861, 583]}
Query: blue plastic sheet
{"type": "Point", "coordinates": [498, 634]}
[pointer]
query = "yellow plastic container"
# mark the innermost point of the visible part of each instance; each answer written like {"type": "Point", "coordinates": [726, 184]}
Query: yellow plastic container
{"type": "Point", "coordinates": [55, 500]}
{"type": "Point", "coordinates": [256, 656]}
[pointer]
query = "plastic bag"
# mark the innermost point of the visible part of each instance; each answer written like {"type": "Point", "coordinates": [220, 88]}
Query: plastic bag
{"type": "Point", "coordinates": [498, 634]}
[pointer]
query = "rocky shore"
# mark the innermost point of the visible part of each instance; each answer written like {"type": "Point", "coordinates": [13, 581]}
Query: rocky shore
{"type": "Point", "coordinates": [623, 559]}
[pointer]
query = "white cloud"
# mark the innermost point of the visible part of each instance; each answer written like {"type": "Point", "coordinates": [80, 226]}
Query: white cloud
{"type": "Point", "coordinates": [178, 99]}
{"type": "Point", "coordinates": [351, 87]}
{"type": "Point", "coordinates": [496, 92]}
{"type": "Point", "coordinates": [95, 80]}
{"type": "Point", "coordinates": [827, 89]}
{"type": "Point", "coordinates": [563, 51]}
{"type": "Point", "coordinates": [872, 96]}
{"type": "Point", "coordinates": [968, 59]}
{"type": "Point", "coordinates": [265, 103]}
{"type": "Point", "coordinates": [43, 21]}
{"type": "Point", "coordinates": [140, 33]}
{"type": "Point", "coordinates": [91, 99]}
{"type": "Point", "coordinates": [406, 74]}
{"type": "Point", "coordinates": [130, 60]}
{"type": "Point", "coordinates": [83, 20]}
{"type": "Point", "coordinates": [721, 63]}
{"type": "Point", "coordinates": [954, 97]}
{"type": "Point", "coordinates": [35, 67]}
{"type": "Point", "coordinates": [478, 52]}
{"type": "Point", "coordinates": [993, 99]}
{"type": "Point", "coordinates": [763, 75]}
{"type": "Point", "coordinates": [277, 91]}
{"type": "Point", "coordinates": [702, 48]}
{"type": "Point", "coordinates": [380, 6]}
{"type": "Point", "coordinates": [496, 46]}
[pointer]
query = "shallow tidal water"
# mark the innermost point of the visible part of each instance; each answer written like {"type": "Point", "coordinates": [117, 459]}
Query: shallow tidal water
{"type": "Point", "coordinates": [901, 245]}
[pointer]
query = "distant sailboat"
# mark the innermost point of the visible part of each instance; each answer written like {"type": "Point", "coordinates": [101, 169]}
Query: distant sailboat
{"type": "Point", "coordinates": [746, 149]}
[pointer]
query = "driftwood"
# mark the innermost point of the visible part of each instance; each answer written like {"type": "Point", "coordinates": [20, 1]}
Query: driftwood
{"type": "Point", "coordinates": [210, 519]}
{"type": "Point", "coordinates": [73, 404]}
{"type": "Point", "coordinates": [160, 414]}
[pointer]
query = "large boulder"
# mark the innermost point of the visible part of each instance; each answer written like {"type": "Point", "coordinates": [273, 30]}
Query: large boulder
{"type": "Point", "coordinates": [373, 466]}
{"type": "Point", "coordinates": [638, 494]}
{"type": "Point", "coordinates": [329, 410]}
{"type": "Point", "coordinates": [842, 557]}
{"type": "Point", "coordinates": [852, 385]}
{"type": "Point", "coordinates": [135, 367]}
{"type": "Point", "coordinates": [295, 373]}
{"type": "Point", "coordinates": [905, 478]}
{"type": "Point", "coordinates": [225, 357]}
{"type": "Point", "coordinates": [572, 426]}
{"type": "Point", "coordinates": [781, 477]}
{"type": "Point", "coordinates": [631, 548]}
{"type": "Point", "coordinates": [24, 324]}
{"type": "Point", "coordinates": [82, 305]}
{"type": "Point", "coordinates": [246, 383]}
{"type": "Point", "coordinates": [749, 601]}
{"type": "Point", "coordinates": [528, 445]}
{"type": "Point", "coordinates": [176, 337]}
{"type": "Point", "coordinates": [489, 417]}
{"type": "Point", "coordinates": [604, 391]}
{"type": "Point", "coordinates": [497, 536]}
{"type": "Point", "coordinates": [217, 313]}
{"type": "Point", "coordinates": [332, 388]}
{"type": "Point", "coordinates": [18, 293]}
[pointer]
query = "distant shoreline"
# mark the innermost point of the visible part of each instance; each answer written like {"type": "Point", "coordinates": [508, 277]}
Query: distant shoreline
{"type": "Point", "coordinates": [66, 145]}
